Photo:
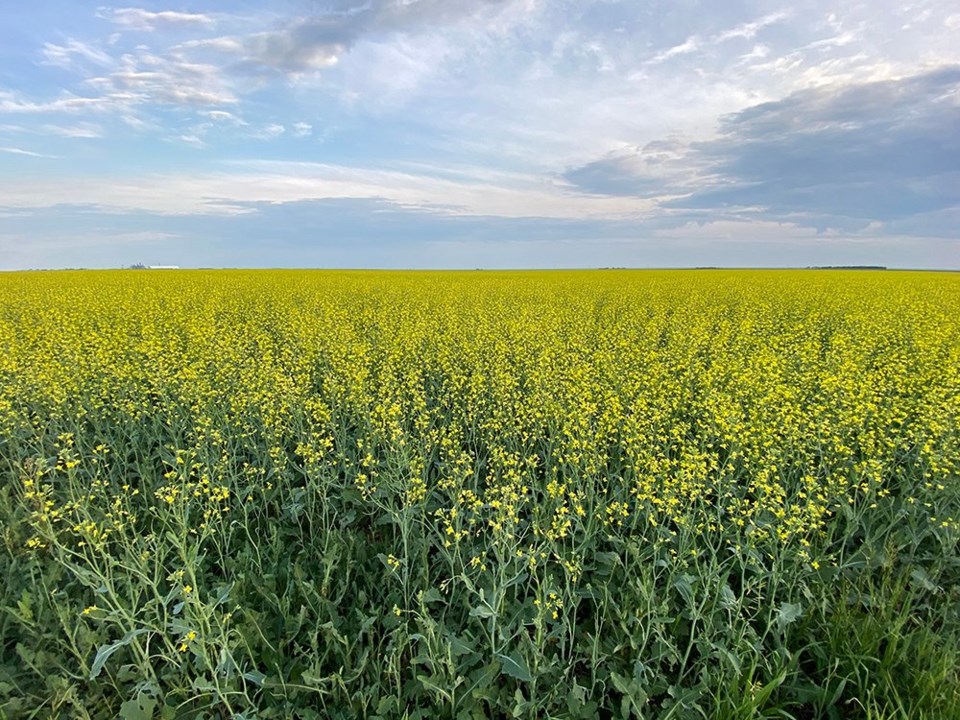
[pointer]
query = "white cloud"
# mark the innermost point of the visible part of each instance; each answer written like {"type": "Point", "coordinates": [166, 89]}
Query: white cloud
{"type": "Point", "coordinates": [27, 153]}
{"type": "Point", "coordinates": [759, 52]}
{"type": "Point", "coordinates": [749, 30]}
{"type": "Point", "coordinates": [137, 123]}
{"type": "Point", "coordinates": [126, 83]}
{"type": "Point", "coordinates": [269, 132]}
{"type": "Point", "coordinates": [302, 129]}
{"type": "Point", "coordinates": [222, 116]}
{"type": "Point", "coordinates": [14, 103]}
{"type": "Point", "coordinates": [138, 82]}
{"type": "Point", "coordinates": [166, 80]}
{"type": "Point", "coordinates": [690, 45]}
{"type": "Point", "coordinates": [146, 21]}
{"type": "Point", "coordinates": [70, 55]}
{"type": "Point", "coordinates": [80, 130]}
{"type": "Point", "coordinates": [696, 43]}
{"type": "Point", "coordinates": [194, 138]}
{"type": "Point", "coordinates": [218, 44]}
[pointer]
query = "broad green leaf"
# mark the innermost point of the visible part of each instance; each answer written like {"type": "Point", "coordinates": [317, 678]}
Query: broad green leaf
{"type": "Point", "coordinates": [255, 676]}
{"type": "Point", "coordinates": [105, 651]}
{"type": "Point", "coordinates": [727, 597]}
{"type": "Point", "coordinates": [920, 576]}
{"type": "Point", "coordinates": [432, 595]}
{"type": "Point", "coordinates": [141, 708]}
{"type": "Point", "coordinates": [459, 646]}
{"type": "Point", "coordinates": [788, 613]}
{"type": "Point", "coordinates": [24, 606]}
{"type": "Point", "coordinates": [514, 666]}
{"type": "Point", "coordinates": [482, 611]}
{"type": "Point", "coordinates": [684, 585]}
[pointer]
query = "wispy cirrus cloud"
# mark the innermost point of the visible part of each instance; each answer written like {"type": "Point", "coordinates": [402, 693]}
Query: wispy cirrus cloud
{"type": "Point", "coordinates": [165, 80]}
{"type": "Point", "coordinates": [139, 19]}
{"type": "Point", "coordinates": [302, 129]}
{"type": "Point", "coordinates": [15, 103]}
{"type": "Point", "coordinates": [75, 55]}
{"type": "Point", "coordinates": [84, 130]}
{"type": "Point", "coordinates": [125, 84]}
{"type": "Point", "coordinates": [269, 131]}
{"type": "Point", "coordinates": [746, 30]}
{"type": "Point", "coordinates": [223, 116]}
{"type": "Point", "coordinates": [26, 153]}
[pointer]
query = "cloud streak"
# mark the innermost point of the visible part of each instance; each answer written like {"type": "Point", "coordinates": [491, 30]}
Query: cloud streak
{"type": "Point", "coordinates": [695, 43]}
{"type": "Point", "coordinates": [27, 153]}
{"type": "Point", "coordinates": [141, 20]}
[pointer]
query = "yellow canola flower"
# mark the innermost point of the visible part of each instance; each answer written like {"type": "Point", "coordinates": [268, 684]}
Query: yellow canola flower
{"type": "Point", "coordinates": [187, 639]}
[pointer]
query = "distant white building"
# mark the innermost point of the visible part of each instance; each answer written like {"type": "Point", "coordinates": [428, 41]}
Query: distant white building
{"type": "Point", "coordinates": [163, 267]}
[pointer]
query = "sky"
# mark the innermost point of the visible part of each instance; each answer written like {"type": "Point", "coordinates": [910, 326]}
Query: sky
{"type": "Point", "coordinates": [480, 133]}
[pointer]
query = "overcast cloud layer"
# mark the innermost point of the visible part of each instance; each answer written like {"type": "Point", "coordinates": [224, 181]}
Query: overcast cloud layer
{"type": "Point", "coordinates": [480, 133]}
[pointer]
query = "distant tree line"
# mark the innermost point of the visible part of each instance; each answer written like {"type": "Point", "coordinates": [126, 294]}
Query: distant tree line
{"type": "Point", "coordinates": [847, 267]}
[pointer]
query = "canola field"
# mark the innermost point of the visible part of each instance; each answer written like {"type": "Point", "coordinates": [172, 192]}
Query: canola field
{"type": "Point", "coordinates": [613, 494]}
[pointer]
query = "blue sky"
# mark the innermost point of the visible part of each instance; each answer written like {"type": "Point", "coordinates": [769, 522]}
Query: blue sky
{"type": "Point", "coordinates": [480, 133]}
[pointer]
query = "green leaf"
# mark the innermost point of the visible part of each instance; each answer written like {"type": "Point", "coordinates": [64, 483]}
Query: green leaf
{"type": "Point", "coordinates": [788, 613]}
{"type": "Point", "coordinates": [223, 594]}
{"type": "Point", "coordinates": [517, 579]}
{"type": "Point", "coordinates": [431, 596]}
{"type": "Point", "coordinates": [387, 705]}
{"type": "Point", "coordinates": [482, 678]}
{"type": "Point", "coordinates": [514, 666]}
{"type": "Point", "coordinates": [430, 683]}
{"type": "Point", "coordinates": [23, 605]}
{"type": "Point", "coordinates": [203, 685]}
{"type": "Point", "coordinates": [760, 696]}
{"type": "Point", "coordinates": [634, 696]}
{"type": "Point", "coordinates": [482, 611]}
{"type": "Point", "coordinates": [606, 559]}
{"type": "Point", "coordinates": [255, 676]}
{"type": "Point", "coordinates": [26, 654]}
{"type": "Point", "coordinates": [684, 585]}
{"type": "Point", "coordinates": [575, 699]}
{"type": "Point", "coordinates": [105, 651]}
{"type": "Point", "coordinates": [920, 576]}
{"type": "Point", "coordinates": [142, 708]}
{"type": "Point", "coordinates": [459, 646]}
{"type": "Point", "coordinates": [727, 597]}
